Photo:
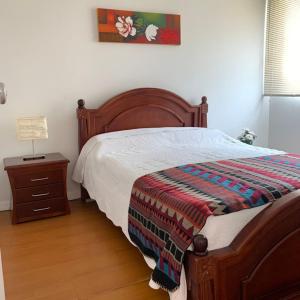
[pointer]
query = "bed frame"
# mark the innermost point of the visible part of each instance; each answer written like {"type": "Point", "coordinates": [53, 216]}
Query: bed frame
{"type": "Point", "coordinates": [263, 261]}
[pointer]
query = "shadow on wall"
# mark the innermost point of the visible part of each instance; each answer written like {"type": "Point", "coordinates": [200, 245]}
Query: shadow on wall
{"type": "Point", "coordinates": [285, 124]}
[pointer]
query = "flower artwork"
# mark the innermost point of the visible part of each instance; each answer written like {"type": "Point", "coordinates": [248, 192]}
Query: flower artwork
{"type": "Point", "coordinates": [125, 27]}
{"type": "Point", "coordinates": [122, 26]}
{"type": "Point", "coordinates": [151, 32]}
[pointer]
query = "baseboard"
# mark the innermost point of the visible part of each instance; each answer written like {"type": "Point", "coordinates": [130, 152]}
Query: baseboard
{"type": "Point", "coordinates": [4, 205]}
{"type": "Point", "coordinates": [73, 195]}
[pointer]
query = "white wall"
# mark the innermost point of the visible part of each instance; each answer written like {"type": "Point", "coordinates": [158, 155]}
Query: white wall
{"type": "Point", "coordinates": [285, 124]}
{"type": "Point", "coordinates": [50, 57]}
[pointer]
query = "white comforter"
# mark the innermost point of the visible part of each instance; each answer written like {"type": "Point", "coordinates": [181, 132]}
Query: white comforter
{"type": "Point", "coordinates": [110, 163]}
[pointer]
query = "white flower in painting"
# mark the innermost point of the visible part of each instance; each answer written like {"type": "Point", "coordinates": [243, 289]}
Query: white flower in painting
{"type": "Point", "coordinates": [125, 26]}
{"type": "Point", "coordinates": [151, 32]}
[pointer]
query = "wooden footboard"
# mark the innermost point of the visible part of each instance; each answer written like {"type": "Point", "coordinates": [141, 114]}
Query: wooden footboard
{"type": "Point", "coordinates": [263, 261]}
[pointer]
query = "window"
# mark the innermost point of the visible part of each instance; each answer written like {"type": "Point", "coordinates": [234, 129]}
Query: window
{"type": "Point", "coordinates": [282, 52]}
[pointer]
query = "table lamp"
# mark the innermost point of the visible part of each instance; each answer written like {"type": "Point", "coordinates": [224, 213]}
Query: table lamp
{"type": "Point", "coordinates": [32, 128]}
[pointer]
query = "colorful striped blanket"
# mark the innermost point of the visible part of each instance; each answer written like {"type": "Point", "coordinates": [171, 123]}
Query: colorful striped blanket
{"type": "Point", "coordinates": [169, 207]}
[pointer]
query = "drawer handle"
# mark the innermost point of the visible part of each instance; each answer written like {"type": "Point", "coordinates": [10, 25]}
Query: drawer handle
{"type": "Point", "coordinates": [41, 209]}
{"type": "Point", "coordinates": [40, 195]}
{"type": "Point", "coordinates": [40, 179]}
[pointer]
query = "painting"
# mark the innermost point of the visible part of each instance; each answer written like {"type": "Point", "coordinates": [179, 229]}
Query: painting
{"type": "Point", "coordinates": [121, 26]}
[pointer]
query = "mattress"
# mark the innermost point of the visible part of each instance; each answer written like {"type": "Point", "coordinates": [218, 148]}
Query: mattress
{"type": "Point", "coordinates": [110, 163]}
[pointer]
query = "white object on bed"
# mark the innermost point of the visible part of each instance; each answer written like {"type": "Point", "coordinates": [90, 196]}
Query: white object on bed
{"type": "Point", "coordinates": [110, 163]}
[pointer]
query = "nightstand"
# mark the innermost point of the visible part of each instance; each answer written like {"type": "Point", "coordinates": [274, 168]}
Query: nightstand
{"type": "Point", "coordinates": [38, 186]}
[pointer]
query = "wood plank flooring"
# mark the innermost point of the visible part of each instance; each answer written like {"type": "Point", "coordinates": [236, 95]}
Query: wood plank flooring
{"type": "Point", "coordinates": [81, 256]}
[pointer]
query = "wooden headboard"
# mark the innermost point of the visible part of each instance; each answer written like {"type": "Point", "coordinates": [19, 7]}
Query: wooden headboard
{"type": "Point", "coordinates": [139, 108]}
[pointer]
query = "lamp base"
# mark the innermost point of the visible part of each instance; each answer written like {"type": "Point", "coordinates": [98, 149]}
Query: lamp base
{"type": "Point", "coordinates": [34, 157]}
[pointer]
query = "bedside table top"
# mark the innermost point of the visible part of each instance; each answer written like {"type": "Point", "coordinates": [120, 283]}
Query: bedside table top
{"type": "Point", "coordinates": [18, 162]}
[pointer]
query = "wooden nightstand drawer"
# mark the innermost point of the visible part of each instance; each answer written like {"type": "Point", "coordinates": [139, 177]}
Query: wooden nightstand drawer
{"type": "Point", "coordinates": [38, 178]}
{"type": "Point", "coordinates": [38, 193]}
{"type": "Point", "coordinates": [40, 209]}
{"type": "Point", "coordinates": [39, 187]}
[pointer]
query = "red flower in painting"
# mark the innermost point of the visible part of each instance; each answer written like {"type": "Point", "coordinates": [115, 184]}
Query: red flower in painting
{"type": "Point", "coordinates": [125, 26]}
{"type": "Point", "coordinates": [169, 36]}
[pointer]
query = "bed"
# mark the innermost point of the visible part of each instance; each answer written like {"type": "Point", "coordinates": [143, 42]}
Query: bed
{"type": "Point", "coordinates": [263, 247]}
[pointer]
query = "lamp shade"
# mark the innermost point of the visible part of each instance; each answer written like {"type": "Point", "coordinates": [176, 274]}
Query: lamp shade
{"type": "Point", "coordinates": [32, 128]}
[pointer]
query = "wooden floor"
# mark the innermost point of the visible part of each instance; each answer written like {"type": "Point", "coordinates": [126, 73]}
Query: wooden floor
{"type": "Point", "coordinates": [81, 256]}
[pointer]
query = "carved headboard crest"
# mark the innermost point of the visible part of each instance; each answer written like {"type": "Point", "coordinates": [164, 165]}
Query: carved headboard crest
{"type": "Point", "coordinates": [139, 108]}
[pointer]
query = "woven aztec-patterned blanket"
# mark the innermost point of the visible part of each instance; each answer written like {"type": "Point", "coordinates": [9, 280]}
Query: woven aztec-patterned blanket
{"type": "Point", "coordinates": [167, 208]}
